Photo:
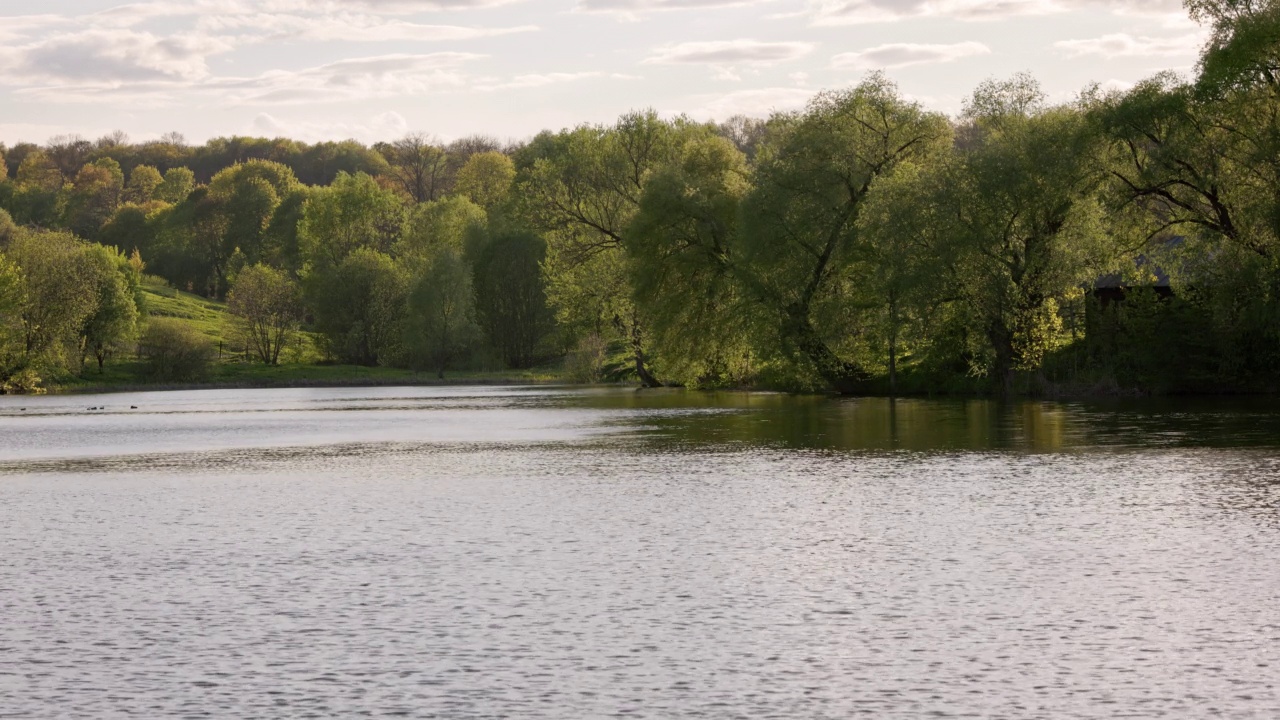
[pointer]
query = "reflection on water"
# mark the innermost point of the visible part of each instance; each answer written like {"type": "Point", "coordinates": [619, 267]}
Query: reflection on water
{"type": "Point", "coordinates": [561, 553]}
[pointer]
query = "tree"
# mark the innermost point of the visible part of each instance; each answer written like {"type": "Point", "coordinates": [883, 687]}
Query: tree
{"type": "Point", "coordinates": [800, 220]}
{"type": "Point", "coordinates": [68, 153]}
{"type": "Point", "coordinates": [441, 314]}
{"type": "Point", "coordinates": [906, 279]}
{"type": "Point", "coordinates": [352, 213]}
{"type": "Point", "coordinates": [358, 305]}
{"type": "Point", "coordinates": [582, 188]}
{"type": "Point", "coordinates": [486, 179]}
{"type": "Point", "coordinates": [59, 294]}
{"type": "Point", "coordinates": [436, 227]}
{"type": "Point", "coordinates": [1027, 227]}
{"type": "Point", "coordinates": [267, 304]}
{"type": "Point", "coordinates": [178, 184]}
{"type": "Point", "coordinates": [12, 300]}
{"type": "Point", "coordinates": [95, 194]}
{"type": "Point", "coordinates": [173, 350]}
{"type": "Point", "coordinates": [418, 166]}
{"type": "Point", "coordinates": [38, 183]}
{"type": "Point", "coordinates": [682, 244]}
{"type": "Point", "coordinates": [510, 296]}
{"type": "Point", "coordinates": [144, 183]}
{"type": "Point", "coordinates": [114, 320]}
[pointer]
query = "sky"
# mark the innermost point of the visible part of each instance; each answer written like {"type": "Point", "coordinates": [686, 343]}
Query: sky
{"type": "Point", "coordinates": [379, 69]}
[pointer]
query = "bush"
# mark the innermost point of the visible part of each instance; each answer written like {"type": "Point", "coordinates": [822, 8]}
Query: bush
{"type": "Point", "coordinates": [174, 350]}
{"type": "Point", "coordinates": [586, 363]}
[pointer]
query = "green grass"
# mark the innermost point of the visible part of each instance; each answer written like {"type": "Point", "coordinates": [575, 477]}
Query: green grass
{"type": "Point", "coordinates": [299, 366]}
{"type": "Point", "coordinates": [207, 316]}
{"type": "Point", "coordinates": [125, 376]}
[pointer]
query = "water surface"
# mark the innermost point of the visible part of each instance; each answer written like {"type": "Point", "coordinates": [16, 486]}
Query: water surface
{"type": "Point", "coordinates": [568, 553]}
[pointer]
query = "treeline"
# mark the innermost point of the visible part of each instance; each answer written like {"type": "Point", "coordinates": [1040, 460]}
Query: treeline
{"type": "Point", "coordinates": [1126, 241]}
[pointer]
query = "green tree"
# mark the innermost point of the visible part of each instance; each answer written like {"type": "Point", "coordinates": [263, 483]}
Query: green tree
{"type": "Point", "coordinates": [59, 295]}
{"type": "Point", "coordinates": [437, 227]}
{"type": "Point", "coordinates": [267, 305]}
{"type": "Point", "coordinates": [178, 184]}
{"type": "Point", "coordinates": [510, 296]}
{"type": "Point", "coordinates": [352, 213]}
{"type": "Point", "coordinates": [114, 320]}
{"type": "Point", "coordinates": [174, 351]}
{"type": "Point", "coordinates": [358, 305]}
{"type": "Point", "coordinates": [800, 220]}
{"type": "Point", "coordinates": [582, 188]}
{"type": "Point", "coordinates": [144, 183]}
{"type": "Point", "coordinates": [12, 300]}
{"type": "Point", "coordinates": [441, 313]}
{"type": "Point", "coordinates": [486, 179]}
{"type": "Point", "coordinates": [682, 244]}
{"type": "Point", "coordinates": [94, 196]}
{"type": "Point", "coordinates": [1028, 230]}
{"type": "Point", "coordinates": [39, 183]}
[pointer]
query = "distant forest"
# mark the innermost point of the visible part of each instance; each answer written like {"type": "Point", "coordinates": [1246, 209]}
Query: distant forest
{"type": "Point", "coordinates": [1124, 242]}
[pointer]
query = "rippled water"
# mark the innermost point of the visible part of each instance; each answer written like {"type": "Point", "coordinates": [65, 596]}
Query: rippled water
{"type": "Point", "coordinates": [546, 553]}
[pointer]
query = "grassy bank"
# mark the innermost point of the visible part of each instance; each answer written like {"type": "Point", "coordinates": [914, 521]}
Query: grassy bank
{"type": "Point", "coordinates": [125, 377]}
{"type": "Point", "coordinates": [300, 364]}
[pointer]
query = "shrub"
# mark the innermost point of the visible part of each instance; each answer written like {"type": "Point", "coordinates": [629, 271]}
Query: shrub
{"type": "Point", "coordinates": [174, 350]}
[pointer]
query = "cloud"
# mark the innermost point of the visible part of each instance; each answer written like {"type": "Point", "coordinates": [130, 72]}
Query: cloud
{"type": "Point", "coordinates": [1125, 45]}
{"type": "Point", "coordinates": [897, 55]}
{"type": "Point", "coordinates": [110, 56]}
{"type": "Point", "coordinates": [536, 80]}
{"type": "Point", "coordinates": [854, 12]}
{"type": "Point", "coordinates": [383, 126]}
{"type": "Point", "coordinates": [353, 79]}
{"type": "Point", "coordinates": [139, 12]}
{"type": "Point", "coordinates": [636, 7]}
{"type": "Point", "coordinates": [729, 52]}
{"type": "Point", "coordinates": [345, 27]}
{"type": "Point", "coordinates": [760, 102]}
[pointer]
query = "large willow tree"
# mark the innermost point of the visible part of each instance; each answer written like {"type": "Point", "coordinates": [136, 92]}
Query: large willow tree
{"type": "Point", "coordinates": [800, 246]}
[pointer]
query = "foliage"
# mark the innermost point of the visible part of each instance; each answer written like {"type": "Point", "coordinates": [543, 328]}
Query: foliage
{"type": "Point", "coordinates": [440, 323]}
{"type": "Point", "coordinates": [352, 213]}
{"type": "Point", "coordinates": [358, 305]}
{"type": "Point", "coordinates": [114, 320]}
{"type": "Point", "coordinates": [173, 351]}
{"type": "Point", "coordinates": [486, 179]}
{"type": "Point", "coordinates": [268, 306]}
{"type": "Point", "coordinates": [510, 297]}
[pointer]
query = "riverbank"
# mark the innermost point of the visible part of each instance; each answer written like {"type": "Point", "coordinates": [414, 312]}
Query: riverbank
{"type": "Point", "coordinates": [122, 378]}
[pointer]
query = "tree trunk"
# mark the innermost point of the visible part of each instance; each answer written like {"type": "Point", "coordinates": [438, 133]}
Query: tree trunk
{"type": "Point", "coordinates": [647, 378]}
{"type": "Point", "coordinates": [893, 346]}
{"type": "Point", "coordinates": [843, 376]}
{"type": "Point", "coordinates": [1002, 343]}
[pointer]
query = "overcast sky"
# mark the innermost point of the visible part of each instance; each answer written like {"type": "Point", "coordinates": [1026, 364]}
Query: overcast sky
{"type": "Point", "coordinates": [376, 69]}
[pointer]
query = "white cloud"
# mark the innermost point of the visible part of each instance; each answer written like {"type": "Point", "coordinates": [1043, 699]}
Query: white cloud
{"type": "Point", "coordinates": [755, 103]}
{"type": "Point", "coordinates": [353, 79]}
{"type": "Point", "coordinates": [383, 126]}
{"type": "Point", "coordinates": [1125, 45]}
{"type": "Point", "coordinates": [853, 12]}
{"type": "Point", "coordinates": [345, 27]}
{"type": "Point", "coordinates": [536, 80]}
{"type": "Point", "coordinates": [110, 56]}
{"type": "Point", "coordinates": [897, 55]}
{"type": "Point", "coordinates": [730, 52]}
{"type": "Point", "coordinates": [631, 8]}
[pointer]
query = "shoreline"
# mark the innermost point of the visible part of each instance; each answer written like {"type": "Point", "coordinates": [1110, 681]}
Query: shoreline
{"type": "Point", "coordinates": [274, 384]}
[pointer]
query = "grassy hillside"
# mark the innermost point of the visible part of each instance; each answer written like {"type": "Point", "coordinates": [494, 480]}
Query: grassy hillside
{"type": "Point", "coordinates": [207, 316]}
{"type": "Point", "coordinates": [299, 364]}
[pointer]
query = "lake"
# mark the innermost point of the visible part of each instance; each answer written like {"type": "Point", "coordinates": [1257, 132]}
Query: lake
{"type": "Point", "coordinates": [589, 553]}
